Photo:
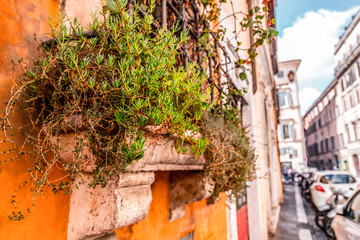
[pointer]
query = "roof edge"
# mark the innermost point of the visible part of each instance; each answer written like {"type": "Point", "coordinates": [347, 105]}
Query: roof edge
{"type": "Point", "coordinates": [321, 97]}
{"type": "Point", "coordinates": [296, 61]}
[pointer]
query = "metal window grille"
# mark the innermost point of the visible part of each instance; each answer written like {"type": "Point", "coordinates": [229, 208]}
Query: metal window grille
{"type": "Point", "coordinates": [210, 55]}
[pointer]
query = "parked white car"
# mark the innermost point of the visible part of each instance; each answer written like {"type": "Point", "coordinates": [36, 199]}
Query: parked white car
{"type": "Point", "coordinates": [324, 181]}
{"type": "Point", "coordinates": [346, 224]}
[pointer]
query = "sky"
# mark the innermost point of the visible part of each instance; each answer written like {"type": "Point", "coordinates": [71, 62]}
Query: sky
{"type": "Point", "coordinates": [309, 30]}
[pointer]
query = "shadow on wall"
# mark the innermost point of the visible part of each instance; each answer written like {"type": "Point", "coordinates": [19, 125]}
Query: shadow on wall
{"type": "Point", "coordinates": [199, 218]}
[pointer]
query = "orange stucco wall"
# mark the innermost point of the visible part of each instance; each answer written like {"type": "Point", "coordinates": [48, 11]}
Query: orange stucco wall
{"type": "Point", "coordinates": [207, 221]}
{"type": "Point", "coordinates": [19, 20]}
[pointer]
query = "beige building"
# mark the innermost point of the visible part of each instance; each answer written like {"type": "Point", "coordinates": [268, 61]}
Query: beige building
{"type": "Point", "coordinates": [290, 127]}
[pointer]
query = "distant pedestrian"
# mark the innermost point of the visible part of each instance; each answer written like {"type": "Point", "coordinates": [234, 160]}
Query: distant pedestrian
{"type": "Point", "coordinates": [290, 174]}
{"type": "Point", "coordinates": [284, 171]}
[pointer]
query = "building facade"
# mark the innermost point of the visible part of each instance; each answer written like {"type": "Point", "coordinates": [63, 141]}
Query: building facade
{"type": "Point", "coordinates": [347, 52]}
{"type": "Point", "coordinates": [141, 206]}
{"type": "Point", "coordinates": [259, 113]}
{"type": "Point", "coordinates": [290, 127]}
{"type": "Point", "coordinates": [332, 123]}
{"type": "Point", "coordinates": [322, 138]}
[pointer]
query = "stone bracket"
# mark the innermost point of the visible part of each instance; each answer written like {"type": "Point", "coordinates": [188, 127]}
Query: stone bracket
{"type": "Point", "coordinates": [187, 187]}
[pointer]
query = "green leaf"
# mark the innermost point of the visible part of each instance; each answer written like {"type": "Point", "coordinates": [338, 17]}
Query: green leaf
{"type": "Point", "coordinates": [112, 6]}
{"type": "Point", "coordinates": [243, 76]}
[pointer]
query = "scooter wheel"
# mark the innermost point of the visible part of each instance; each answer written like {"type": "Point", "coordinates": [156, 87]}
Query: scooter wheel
{"type": "Point", "coordinates": [319, 220]}
{"type": "Point", "coordinates": [327, 227]}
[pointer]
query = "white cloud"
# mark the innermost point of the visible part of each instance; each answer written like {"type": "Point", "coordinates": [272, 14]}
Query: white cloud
{"type": "Point", "coordinates": [312, 39]}
{"type": "Point", "coordinates": [307, 96]}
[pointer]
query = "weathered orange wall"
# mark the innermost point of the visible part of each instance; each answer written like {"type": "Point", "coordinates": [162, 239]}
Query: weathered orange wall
{"type": "Point", "coordinates": [19, 20]}
{"type": "Point", "coordinates": [207, 221]}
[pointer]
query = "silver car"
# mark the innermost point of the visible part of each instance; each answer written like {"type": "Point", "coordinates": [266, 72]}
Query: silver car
{"type": "Point", "coordinates": [346, 224]}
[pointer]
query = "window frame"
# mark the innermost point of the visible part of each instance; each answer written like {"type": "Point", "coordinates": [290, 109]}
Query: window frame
{"type": "Point", "coordinates": [286, 97]}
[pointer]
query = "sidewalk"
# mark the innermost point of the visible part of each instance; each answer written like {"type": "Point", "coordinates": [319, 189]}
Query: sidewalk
{"type": "Point", "coordinates": [293, 223]}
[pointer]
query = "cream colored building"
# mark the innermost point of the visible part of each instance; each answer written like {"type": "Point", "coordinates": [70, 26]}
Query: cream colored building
{"type": "Point", "coordinates": [347, 52]}
{"type": "Point", "coordinates": [259, 112]}
{"type": "Point", "coordinates": [265, 193]}
{"type": "Point", "coordinates": [290, 127]}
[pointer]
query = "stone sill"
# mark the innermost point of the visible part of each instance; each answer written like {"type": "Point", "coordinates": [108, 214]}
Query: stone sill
{"type": "Point", "coordinates": [96, 213]}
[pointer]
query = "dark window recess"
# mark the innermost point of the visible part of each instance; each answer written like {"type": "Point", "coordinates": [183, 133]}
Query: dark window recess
{"type": "Point", "coordinates": [351, 77]}
{"type": "Point", "coordinates": [319, 123]}
{"type": "Point", "coordinates": [280, 74]}
{"type": "Point", "coordinates": [309, 150]}
{"type": "Point", "coordinates": [336, 160]}
{"type": "Point", "coordinates": [333, 143]}
{"type": "Point", "coordinates": [316, 148]}
{"type": "Point", "coordinates": [287, 131]}
{"type": "Point", "coordinates": [327, 144]}
{"type": "Point", "coordinates": [321, 164]}
{"type": "Point", "coordinates": [322, 146]}
{"type": "Point", "coordinates": [348, 82]}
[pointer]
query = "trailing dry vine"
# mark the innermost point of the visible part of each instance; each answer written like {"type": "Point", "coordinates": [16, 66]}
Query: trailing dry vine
{"type": "Point", "coordinates": [229, 154]}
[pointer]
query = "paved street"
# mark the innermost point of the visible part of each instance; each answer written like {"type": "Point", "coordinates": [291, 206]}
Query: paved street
{"type": "Point", "coordinates": [297, 218]}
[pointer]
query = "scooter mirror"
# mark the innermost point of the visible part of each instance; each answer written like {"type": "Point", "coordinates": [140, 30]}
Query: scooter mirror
{"type": "Point", "coordinates": [340, 209]}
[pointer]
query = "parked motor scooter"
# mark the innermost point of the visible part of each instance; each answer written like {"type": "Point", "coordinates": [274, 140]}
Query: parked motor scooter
{"type": "Point", "coordinates": [305, 184]}
{"type": "Point", "coordinates": [327, 212]}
